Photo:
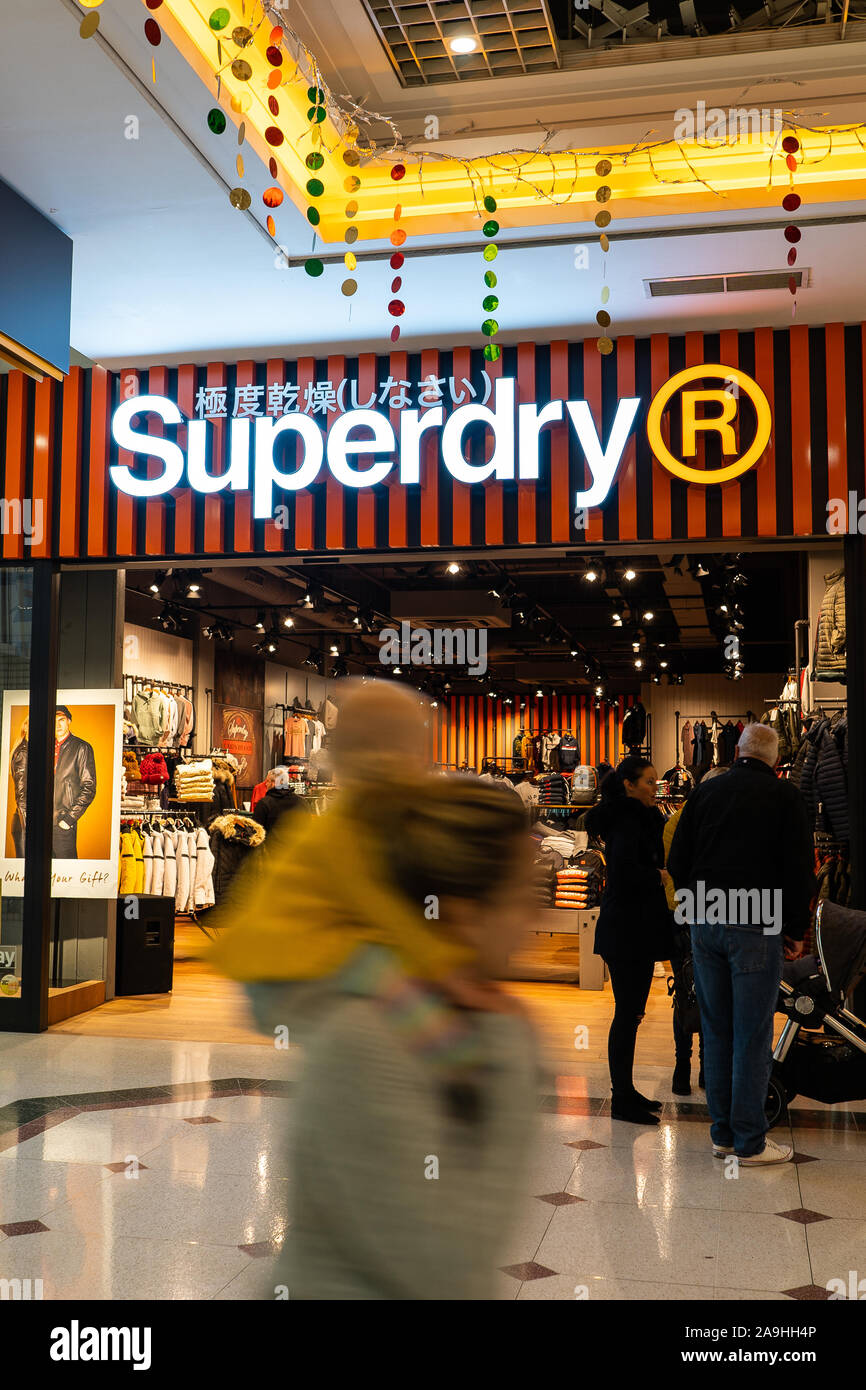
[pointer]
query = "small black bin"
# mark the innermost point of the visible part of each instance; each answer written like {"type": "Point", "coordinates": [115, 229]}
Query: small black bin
{"type": "Point", "coordinates": [145, 946]}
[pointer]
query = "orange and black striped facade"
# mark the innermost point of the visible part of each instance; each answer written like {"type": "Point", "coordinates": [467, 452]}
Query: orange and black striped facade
{"type": "Point", "coordinates": [466, 729]}
{"type": "Point", "coordinates": [57, 448]}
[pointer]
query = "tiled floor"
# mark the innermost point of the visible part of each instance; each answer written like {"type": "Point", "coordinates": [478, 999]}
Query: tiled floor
{"type": "Point", "coordinates": [156, 1169]}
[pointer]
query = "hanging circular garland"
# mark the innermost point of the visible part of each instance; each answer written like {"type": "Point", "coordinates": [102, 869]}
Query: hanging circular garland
{"type": "Point", "coordinates": [396, 306]}
{"type": "Point", "coordinates": [490, 302]}
{"type": "Point", "coordinates": [315, 162]}
{"type": "Point", "coordinates": [351, 185]}
{"type": "Point", "coordinates": [602, 221]}
{"type": "Point", "coordinates": [791, 202]}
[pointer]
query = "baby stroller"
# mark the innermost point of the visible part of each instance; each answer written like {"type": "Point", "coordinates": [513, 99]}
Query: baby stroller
{"type": "Point", "coordinates": [821, 1052]}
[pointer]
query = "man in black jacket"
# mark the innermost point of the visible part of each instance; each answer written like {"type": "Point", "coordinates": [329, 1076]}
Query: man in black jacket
{"type": "Point", "coordinates": [74, 784]}
{"type": "Point", "coordinates": [18, 768]}
{"type": "Point", "coordinates": [742, 862]}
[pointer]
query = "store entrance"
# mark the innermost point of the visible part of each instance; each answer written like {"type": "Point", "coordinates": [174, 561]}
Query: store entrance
{"type": "Point", "coordinates": [529, 667]}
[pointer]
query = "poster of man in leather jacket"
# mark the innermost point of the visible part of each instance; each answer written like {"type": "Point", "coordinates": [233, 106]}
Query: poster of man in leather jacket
{"type": "Point", "coordinates": [85, 800]}
{"type": "Point", "coordinates": [74, 784]}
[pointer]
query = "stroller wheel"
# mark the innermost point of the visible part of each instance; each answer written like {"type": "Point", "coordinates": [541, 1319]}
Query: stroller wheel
{"type": "Point", "coordinates": [777, 1100]}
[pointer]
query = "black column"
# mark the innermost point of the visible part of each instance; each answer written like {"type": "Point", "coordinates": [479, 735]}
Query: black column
{"type": "Point", "coordinates": [40, 794]}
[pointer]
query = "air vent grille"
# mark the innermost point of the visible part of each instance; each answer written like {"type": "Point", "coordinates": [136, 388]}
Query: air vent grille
{"type": "Point", "coordinates": [727, 284]}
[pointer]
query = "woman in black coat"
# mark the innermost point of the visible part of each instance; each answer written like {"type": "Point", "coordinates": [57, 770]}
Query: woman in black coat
{"type": "Point", "coordinates": [634, 924]}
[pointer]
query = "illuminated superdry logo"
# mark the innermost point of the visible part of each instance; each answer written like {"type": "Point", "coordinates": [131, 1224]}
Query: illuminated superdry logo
{"type": "Point", "coordinates": [368, 435]}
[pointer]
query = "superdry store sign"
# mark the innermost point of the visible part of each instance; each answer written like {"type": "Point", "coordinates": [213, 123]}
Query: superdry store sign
{"type": "Point", "coordinates": [702, 436]}
{"type": "Point", "coordinates": [515, 430]}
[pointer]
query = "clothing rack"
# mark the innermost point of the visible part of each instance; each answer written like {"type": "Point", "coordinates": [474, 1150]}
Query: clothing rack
{"type": "Point", "coordinates": [131, 683]}
{"type": "Point", "coordinates": [722, 718]}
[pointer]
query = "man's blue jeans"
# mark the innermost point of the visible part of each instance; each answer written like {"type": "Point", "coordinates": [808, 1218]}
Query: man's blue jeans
{"type": "Point", "coordinates": [737, 974]}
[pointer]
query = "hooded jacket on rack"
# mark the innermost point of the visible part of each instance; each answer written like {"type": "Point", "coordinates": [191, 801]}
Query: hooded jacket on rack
{"type": "Point", "coordinates": [232, 837]}
{"type": "Point", "coordinates": [634, 726]}
{"type": "Point", "coordinates": [831, 639]}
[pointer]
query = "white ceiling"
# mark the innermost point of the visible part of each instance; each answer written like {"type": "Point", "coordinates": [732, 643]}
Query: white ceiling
{"type": "Point", "coordinates": [166, 270]}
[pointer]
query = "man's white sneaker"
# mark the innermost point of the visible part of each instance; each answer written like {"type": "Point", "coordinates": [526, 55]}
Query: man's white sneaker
{"type": "Point", "coordinates": [771, 1153]}
{"type": "Point", "coordinates": [722, 1150]}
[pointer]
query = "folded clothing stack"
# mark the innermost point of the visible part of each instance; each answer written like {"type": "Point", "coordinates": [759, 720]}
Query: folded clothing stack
{"type": "Point", "coordinates": [574, 888]}
{"type": "Point", "coordinates": [553, 790]}
{"type": "Point", "coordinates": [153, 769]}
{"type": "Point", "coordinates": [194, 781]}
{"type": "Point", "coordinates": [544, 881]}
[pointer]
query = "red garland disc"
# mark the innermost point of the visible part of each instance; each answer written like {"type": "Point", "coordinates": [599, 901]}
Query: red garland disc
{"type": "Point", "coordinates": [396, 308]}
{"type": "Point", "coordinates": [791, 161]}
{"type": "Point", "coordinates": [153, 4]}
{"type": "Point", "coordinates": [274, 135]}
{"type": "Point", "coordinates": [792, 285]}
{"type": "Point", "coordinates": [273, 167]}
{"type": "Point", "coordinates": [274, 56]}
{"type": "Point", "coordinates": [397, 260]}
{"type": "Point", "coordinates": [273, 106]}
{"type": "Point", "coordinates": [152, 32]}
{"type": "Point", "coordinates": [790, 144]}
{"type": "Point", "coordinates": [396, 283]}
{"type": "Point", "coordinates": [792, 256]}
{"type": "Point", "coordinates": [395, 333]}
{"type": "Point", "coordinates": [792, 233]}
{"type": "Point", "coordinates": [398, 171]}
{"type": "Point", "coordinates": [791, 202]}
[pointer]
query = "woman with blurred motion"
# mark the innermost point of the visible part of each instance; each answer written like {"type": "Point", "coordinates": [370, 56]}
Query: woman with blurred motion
{"type": "Point", "coordinates": [634, 924]}
{"type": "Point", "coordinates": [375, 936]}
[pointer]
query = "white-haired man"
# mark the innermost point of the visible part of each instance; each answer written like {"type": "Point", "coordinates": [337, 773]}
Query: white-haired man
{"type": "Point", "coordinates": [742, 863]}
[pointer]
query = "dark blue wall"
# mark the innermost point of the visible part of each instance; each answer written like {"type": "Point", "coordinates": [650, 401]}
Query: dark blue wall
{"type": "Point", "coordinates": [35, 279]}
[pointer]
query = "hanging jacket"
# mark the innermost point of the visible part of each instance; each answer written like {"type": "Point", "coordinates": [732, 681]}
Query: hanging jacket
{"type": "Point", "coordinates": [831, 786]}
{"type": "Point", "coordinates": [568, 753]}
{"type": "Point", "coordinates": [232, 837]}
{"type": "Point", "coordinates": [274, 804]}
{"type": "Point", "coordinates": [831, 638]}
{"type": "Point", "coordinates": [169, 880]}
{"type": "Point", "coordinates": [775, 718]}
{"type": "Point", "coordinates": [149, 713]}
{"type": "Point", "coordinates": [18, 768]}
{"type": "Point", "coordinates": [203, 894]}
{"type": "Point", "coordinates": [158, 863]}
{"type": "Point", "coordinates": [688, 740]}
{"type": "Point", "coordinates": [128, 868]}
{"type": "Point", "coordinates": [634, 726]}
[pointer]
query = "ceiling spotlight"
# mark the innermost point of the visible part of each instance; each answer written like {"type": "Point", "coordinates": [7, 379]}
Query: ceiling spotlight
{"type": "Point", "coordinates": [168, 620]}
{"type": "Point", "coordinates": [463, 43]}
{"type": "Point", "coordinates": [193, 589]}
{"type": "Point", "coordinates": [260, 623]}
{"type": "Point", "coordinates": [398, 671]}
{"type": "Point", "coordinates": [701, 570]}
{"type": "Point", "coordinates": [453, 568]}
{"type": "Point", "coordinates": [629, 574]}
{"type": "Point", "coordinates": [638, 664]}
{"type": "Point", "coordinates": [722, 609]}
{"type": "Point", "coordinates": [591, 574]}
{"type": "Point", "coordinates": [648, 616]}
{"type": "Point", "coordinates": [288, 621]}
{"type": "Point", "coordinates": [664, 665]}
{"type": "Point", "coordinates": [599, 690]}
{"type": "Point", "coordinates": [656, 678]}
{"type": "Point", "coordinates": [539, 692]}
{"type": "Point", "coordinates": [339, 669]}
{"type": "Point", "coordinates": [434, 704]}
{"type": "Point", "coordinates": [616, 619]}
{"type": "Point", "coordinates": [335, 649]}
{"type": "Point", "coordinates": [635, 646]}
{"type": "Point", "coordinates": [158, 580]}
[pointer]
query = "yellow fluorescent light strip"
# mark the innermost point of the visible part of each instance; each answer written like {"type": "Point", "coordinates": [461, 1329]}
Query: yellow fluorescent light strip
{"type": "Point", "coordinates": [440, 200]}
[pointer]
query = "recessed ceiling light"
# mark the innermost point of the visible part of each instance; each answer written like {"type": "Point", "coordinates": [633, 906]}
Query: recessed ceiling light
{"type": "Point", "coordinates": [453, 568]}
{"type": "Point", "coordinates": [648, 616]}
{"type": "Point", "coordinates": [463, 43]}
{"type": "Point", "coordinates": [629, 574]}
{"type": "Point", "coordinates": [638, 663]}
